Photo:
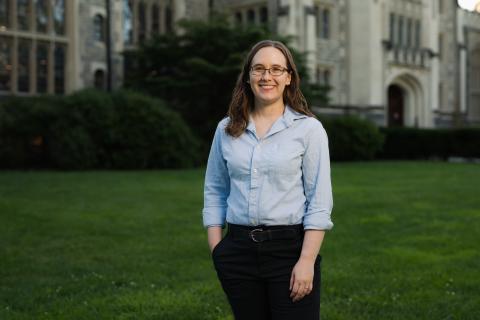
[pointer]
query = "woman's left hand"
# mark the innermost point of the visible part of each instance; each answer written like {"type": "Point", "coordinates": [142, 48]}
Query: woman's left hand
{"type": "Point", "coordinates": [301, 280]}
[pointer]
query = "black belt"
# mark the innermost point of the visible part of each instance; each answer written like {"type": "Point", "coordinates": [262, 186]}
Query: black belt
{"type": "Point", "coordinates": [265, 233]}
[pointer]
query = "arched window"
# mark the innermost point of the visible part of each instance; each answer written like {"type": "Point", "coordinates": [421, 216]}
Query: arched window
{"type": "Point", "coordinates": [127, 21]}
{"type": "Point", "coordinates": [99, 79]}
{"type": "Point", "coordinates": [59, 16]}
{"type": "Point", "coordinates": [323, 76]}
{"type": "Point", "coordinates": [238, 18]}
{"type": "Point", "coordinates": [263, 15]}
{"type": "Point", "coordinates": [99, 28]}
{"type": "Point", "coordinates": [23, 69]}
{"type": "Point", "coordinates": [400, 32]}
{"type": "Point", "coordinates": [168, 19]}
{"type": "Point", "coordinates": [474, 85]}
{"type": "Point", "coordinates": [4, 14]}
{"type": "Point", "coordinates": [440, 46]}
{"type": "Point", "coordinates": [326, 24]}
{"type": "Point", "coordinates": [409, 33]}
{"type": "Point", "coordinates": [322, 22]}
{"type": "Point", "coordinates": [251, 16]}
{"type": "Point", "coordinates": [42, 15]}
{"type": "Point", "coordinates": [142, 22]}
{"type": "Point", "coordinates": [417, 34]}
{"type": "Point", "coordinates": [23, 14]}
{"type": "Point", "coordinates": [155, 19]}
{"type": "Point", "coordinates": [393, 18]}
{"type": "Point", "coordinates": [440, 95]}
{"type": "Point", "coordinates": [42, 66]}
{"type": "Point", "coordinates": [326, 77]}
{"type": "Point", "coordinates": [318, 75]}
{"type": "Point", "coordinates": [475, 69]}
{"type": "Point", "coordinates": [5, 63]}
{"type": "Point", "coordinates": [60, 56]}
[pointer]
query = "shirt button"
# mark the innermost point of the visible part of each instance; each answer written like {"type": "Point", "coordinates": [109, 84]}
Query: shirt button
{"type": "Point", "coordinates": [254, 170]}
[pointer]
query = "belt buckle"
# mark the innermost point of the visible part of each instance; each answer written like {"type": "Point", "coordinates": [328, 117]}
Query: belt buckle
{"type": "Point", "coordinates": [252, 234]}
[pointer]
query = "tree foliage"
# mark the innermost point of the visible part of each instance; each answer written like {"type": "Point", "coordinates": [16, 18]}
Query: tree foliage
{"type": "Point", "coordinates": [196, 69]}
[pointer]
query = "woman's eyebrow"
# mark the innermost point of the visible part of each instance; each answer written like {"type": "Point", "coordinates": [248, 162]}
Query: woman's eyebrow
{"type": "Point", "coordinates": [273, 65]}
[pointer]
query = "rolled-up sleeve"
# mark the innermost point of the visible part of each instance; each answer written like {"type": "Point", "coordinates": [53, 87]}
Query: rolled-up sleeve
{"type": "Point", "coordinates": [217, 183]}
{"type": "Point", "coordinates": [317, 181]}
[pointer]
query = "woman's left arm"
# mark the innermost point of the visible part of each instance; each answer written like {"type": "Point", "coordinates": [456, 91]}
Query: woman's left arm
{"type": "Point", "coordinates": [301, 280]}
{"type": "Point", "coordinates": [319, 203]}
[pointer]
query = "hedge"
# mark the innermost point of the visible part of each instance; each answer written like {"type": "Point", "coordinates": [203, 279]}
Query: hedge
{"type": "Point", "coordinates": [352, 138]}
{"type": "Point", "coordinates": [414, 143]}
{"type": "Point", "coordinates": [93, 130]}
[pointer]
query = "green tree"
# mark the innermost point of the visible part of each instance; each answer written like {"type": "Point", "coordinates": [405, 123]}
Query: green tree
{"type": "Point", "coordinates": [196, 70]}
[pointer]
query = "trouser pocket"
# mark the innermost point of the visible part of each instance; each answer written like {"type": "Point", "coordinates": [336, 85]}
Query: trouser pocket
{"type": "Point", "coordinates": [218, 246]}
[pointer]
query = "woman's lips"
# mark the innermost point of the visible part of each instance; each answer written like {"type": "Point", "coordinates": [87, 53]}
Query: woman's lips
{"type": "Point", "coordinates": [266, 86]}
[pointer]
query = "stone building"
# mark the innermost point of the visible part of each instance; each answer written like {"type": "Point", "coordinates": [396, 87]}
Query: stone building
{"type": "Point", "coordinates": [34, 46]}
{"type": "Point", "coordinates": [468, 34]}
{"type": "Point", "coordinates": [59, 46]}
{"type": "Point", "coordinates": [397, 62]}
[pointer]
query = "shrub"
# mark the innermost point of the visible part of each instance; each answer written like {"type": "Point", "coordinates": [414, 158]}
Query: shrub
{"type": "Point", "coordinates": [92, 129]}
{"type": "Point", "coordinates": [23, 127]}
{"type": "Point", "coordinates": [79, 138]}
{"type": "Point", "coordinates": [352, 138]}
{"type": "Point", "coordinates": [414, 143]}
{"type": "Point", "coordinates": [148, 134]}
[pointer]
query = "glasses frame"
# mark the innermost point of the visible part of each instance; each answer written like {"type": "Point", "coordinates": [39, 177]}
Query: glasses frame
{"type": "Point", "coordinates": [269, 71]}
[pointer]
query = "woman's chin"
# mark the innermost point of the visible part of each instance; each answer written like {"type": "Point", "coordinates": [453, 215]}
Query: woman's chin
{"type": "Point", "coordinates": [267, 100]}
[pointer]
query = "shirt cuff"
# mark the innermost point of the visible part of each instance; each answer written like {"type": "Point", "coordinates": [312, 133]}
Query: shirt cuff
{"type": "Point", "coordinates": [314, 223]}
{"type": "Point", "coordinates": [214, 216]}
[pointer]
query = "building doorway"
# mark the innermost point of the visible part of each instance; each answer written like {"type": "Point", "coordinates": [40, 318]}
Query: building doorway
{"type": "Point", "coordinates": [99, 80]}
{"type": "Point", "coordinates": [396, 106]}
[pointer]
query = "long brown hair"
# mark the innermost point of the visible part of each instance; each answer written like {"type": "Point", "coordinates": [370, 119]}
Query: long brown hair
{"type": "Point", "coordinates": [242, 103]}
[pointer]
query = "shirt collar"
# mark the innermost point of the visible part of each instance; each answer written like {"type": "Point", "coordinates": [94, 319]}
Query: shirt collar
{"type": "Point", "coordinates": [287, 119]}
{"type": "Point", "coordinates": [290, 115]}
{"type": "Point", "coordinates": [251, 125]}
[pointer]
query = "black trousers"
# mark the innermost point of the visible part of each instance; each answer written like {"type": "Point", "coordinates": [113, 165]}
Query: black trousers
{"type": "Point", "coordinates": [256, 277]}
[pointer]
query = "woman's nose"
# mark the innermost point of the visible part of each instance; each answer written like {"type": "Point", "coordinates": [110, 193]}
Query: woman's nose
{"type": "Point", "coordinates": [266, 74]}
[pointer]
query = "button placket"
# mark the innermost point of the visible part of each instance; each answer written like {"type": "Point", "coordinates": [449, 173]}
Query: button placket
{"type": "Point", "coordinates": [254, 177]}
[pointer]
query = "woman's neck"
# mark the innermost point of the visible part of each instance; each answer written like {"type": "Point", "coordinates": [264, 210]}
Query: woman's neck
{"type": "Point", "coordinates": [269, 111]}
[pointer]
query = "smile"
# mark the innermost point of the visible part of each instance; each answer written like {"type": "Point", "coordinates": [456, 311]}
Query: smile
{"type": "Point", "coordinates": [266, 86]}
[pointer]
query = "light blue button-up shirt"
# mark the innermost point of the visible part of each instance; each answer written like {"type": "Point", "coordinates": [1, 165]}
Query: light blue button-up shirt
{"type": "Point", "coordinates": [280, 179]}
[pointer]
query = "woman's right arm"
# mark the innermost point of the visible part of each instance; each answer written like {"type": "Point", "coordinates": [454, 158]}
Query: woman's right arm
{"type": "Point", "coordinates": [214, 236]}
{"type": "Point", "coordinates": [216, 190]}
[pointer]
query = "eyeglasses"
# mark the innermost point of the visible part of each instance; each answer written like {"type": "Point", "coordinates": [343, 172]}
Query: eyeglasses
{"type": "Point", "coordinates": [274, 71]}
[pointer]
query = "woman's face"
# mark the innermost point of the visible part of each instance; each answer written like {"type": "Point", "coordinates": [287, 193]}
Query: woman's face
{"type": "Point", "coordinates": [268, 88]}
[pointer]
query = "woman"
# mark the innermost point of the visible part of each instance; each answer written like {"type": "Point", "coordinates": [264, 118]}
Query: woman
{"type": "Point", "coordinates": [268, 178]}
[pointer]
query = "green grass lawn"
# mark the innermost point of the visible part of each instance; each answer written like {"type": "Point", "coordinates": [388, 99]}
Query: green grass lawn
{"type": "Point", "coordinates": [130, 245]}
